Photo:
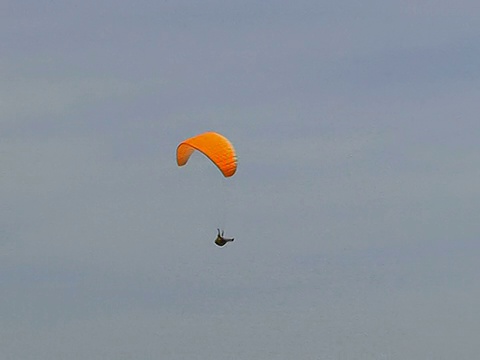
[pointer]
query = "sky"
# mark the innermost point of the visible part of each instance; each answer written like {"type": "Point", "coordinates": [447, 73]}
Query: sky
{"type": "Point", "coordinates": [355, 206]}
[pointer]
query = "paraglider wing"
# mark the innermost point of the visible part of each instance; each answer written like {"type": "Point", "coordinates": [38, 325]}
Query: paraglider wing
{"type": "Point", "coordinates": [214, 146]}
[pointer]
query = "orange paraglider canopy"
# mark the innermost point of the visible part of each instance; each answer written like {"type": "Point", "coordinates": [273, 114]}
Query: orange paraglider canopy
{"type": "Point", "coordinates": [214, 146]}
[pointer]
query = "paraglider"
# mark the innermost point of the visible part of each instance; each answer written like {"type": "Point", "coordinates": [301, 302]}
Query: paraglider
{"type": "Point", "coordinates": [219, 150]}
{"type": "Point", "coordinates": [214, 146]}
{"type": "Point", "coordinates": [220, 240]}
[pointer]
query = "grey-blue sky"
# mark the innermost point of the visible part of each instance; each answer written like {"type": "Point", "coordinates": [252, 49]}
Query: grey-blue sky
{"type": "Point", "coordinates": [355, 206]}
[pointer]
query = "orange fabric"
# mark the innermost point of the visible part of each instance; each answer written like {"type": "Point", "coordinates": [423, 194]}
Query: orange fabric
{"type": "Point", "coordinates": [213, 145]}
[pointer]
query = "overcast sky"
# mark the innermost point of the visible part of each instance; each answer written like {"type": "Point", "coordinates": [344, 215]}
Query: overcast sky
{"type": "Point", "coordinates": [355, 208]}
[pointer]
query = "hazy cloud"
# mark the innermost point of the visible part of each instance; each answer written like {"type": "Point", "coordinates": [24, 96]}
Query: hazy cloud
{"type": "Point", "coordinates": [354, 208]}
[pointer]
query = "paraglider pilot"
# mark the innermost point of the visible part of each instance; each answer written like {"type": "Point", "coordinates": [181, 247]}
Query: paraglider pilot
{"type": "Point", "coordinates": [220, 240]}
